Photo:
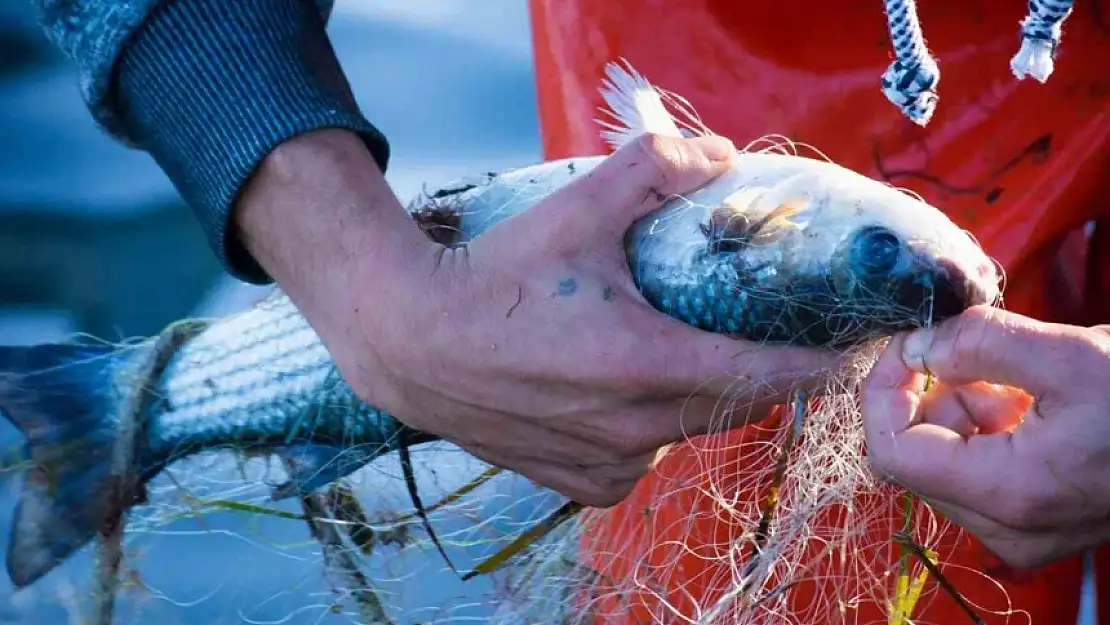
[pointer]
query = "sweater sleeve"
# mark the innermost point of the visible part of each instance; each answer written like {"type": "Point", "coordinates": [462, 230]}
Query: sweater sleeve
{"type": "Point", "coordinates": [209, 88]}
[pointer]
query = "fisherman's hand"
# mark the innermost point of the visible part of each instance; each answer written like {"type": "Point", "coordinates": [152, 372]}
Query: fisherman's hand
{"type": "Point", "coordinates": [1014, 443]}
{"type": "Point", "coordinates": [531, 348]}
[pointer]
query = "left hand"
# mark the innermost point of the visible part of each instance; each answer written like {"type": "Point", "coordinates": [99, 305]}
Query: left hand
{"type": "Point", "coordinates": [1013, 443]}
{"type": "Point", "coordinates": [576, 390]}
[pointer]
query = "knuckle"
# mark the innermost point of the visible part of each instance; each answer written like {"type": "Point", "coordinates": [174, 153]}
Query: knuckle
{"type": "Point", "coordinates": [965, 339]}
{"type": "Point", "coordinates": [1095, 342]}
{"type": "Point", "coordinates": [1016, 555]}
{"type": "Point", "coordinates": [1025, 509]}
{"type": "Point", "coordinates": [970, 334]}
{"type": "Point", "coordinates": [1076, 363]}
{"type": "Point", "coordinates": [603, 492]}
{"type": "Point", "coordinates": [629, 444]}
{"type": "Point", "coordinates": [884, 464]}
{"type": "Point", "coordinates": [1088, 351]}
{"type": "Point", "coordinates": [1098, 338]}
{"type": "Point", "coordinates": [663, 155]}
{"type": "Point", "coordinates": [654, 145]}
{"type": "Point", "coordinates": [622, 437]}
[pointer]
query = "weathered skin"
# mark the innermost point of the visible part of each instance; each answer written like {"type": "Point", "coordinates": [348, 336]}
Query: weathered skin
{"type": "Point", "coordinates": [783, 249]}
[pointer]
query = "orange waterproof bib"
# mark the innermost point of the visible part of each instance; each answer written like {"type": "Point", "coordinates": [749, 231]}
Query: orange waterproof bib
{"type": "Point", "coordinates": [1020, 164]}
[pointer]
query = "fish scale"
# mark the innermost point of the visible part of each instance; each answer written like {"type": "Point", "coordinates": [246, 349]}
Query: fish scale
{"type": "Point", "coordinates": [267, 390]}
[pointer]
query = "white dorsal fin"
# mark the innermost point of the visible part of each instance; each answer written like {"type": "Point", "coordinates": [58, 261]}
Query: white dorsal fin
{"type": "Point", "coordinates": [635, 106]}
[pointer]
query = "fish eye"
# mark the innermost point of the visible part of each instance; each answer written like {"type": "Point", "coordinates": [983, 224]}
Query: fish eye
{"type": "Point", "coordinates": [876, 250]}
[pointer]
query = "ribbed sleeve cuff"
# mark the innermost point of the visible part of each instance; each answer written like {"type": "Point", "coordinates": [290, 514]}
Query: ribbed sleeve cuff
{"type": "Point", "coordinates": [210, 87]}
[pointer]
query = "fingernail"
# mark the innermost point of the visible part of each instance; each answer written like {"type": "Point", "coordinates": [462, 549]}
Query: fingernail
{"type": "Point", "coordinates": [916, 347]}
{"type": "Point", "coordinates": [717, 148]}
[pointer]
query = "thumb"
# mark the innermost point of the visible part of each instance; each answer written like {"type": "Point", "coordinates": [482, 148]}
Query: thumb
{"type": "Point", "coordinates": [906, 445]}
{"type": "Point", "coordinates": [992, 345]}
{"type": "Point", "coordinates": [635, 180]}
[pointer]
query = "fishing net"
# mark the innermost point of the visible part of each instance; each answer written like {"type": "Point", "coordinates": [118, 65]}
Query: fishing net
{"type": "Point", "coordinates": [779, 522]}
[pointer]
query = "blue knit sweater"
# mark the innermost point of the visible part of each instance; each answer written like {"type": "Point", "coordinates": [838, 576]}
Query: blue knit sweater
{"type": "Point", "coordinates": [208, 88]}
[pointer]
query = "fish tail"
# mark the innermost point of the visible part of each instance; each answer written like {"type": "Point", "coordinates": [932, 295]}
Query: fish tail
{"type": "Point", "coordinates": [55, 395]}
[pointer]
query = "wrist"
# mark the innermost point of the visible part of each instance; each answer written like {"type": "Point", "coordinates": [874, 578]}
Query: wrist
{"type": "Point", "coordinates": [317, 212]}
{"type": "Point", "coordinates": [210, 87]}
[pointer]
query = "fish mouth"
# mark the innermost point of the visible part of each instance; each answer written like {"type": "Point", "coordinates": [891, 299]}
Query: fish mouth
{"type": "Point", "coordinates": [955, 289]}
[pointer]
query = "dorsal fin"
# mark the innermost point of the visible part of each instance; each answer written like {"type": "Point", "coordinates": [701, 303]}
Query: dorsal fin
{"type": "Point", "coordinates": [635, 105]}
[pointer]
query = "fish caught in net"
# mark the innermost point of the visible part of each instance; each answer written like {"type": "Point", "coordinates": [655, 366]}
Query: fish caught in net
{"type": "Point", "coordinates": [781, 521]}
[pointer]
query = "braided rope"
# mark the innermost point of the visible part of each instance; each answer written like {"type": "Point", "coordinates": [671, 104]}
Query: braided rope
{"type": "Point", "coordinates": [1040, 36]}
{"type": "Point", "coordinates": [911, 80]}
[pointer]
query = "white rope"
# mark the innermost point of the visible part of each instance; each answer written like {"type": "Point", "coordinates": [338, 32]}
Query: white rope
{"type": "Point", "coordinates": [1040, 36]}
{"type": "Point", "coordinates": [911, 80]}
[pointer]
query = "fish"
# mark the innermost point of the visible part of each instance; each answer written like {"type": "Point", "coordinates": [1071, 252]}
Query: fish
{"type": "Point", "coordinates": [782, 249]}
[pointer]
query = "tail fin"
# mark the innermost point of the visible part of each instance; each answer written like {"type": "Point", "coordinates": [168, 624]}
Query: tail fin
{"type": "Point", "coordinates": [55, 395]}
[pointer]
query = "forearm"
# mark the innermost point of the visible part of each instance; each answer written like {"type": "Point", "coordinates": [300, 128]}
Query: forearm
{"type": "Point", "coordinates": [320, 217]}
{"type": "Point", "coordinates": [209, 88]}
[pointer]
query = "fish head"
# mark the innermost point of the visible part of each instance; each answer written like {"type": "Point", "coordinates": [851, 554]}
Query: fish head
{"type": "Point", "coordinates": [819, 254]}
{"type": "Point", "coordinates": [929, 275]}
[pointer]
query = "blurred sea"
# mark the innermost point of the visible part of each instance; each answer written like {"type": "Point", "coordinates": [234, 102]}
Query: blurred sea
{"type": "Point", "coordinates": [94, 239]}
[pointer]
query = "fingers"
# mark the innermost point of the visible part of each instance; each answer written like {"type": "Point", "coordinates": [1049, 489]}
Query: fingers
{"type": "Point", "coordinates": [989, 408]}
{"type": "Point", "coordinates": [683, 361]}
{"type": "Point", "coordinates": [650, 426]}
{"type": "Point", "coordinates": [596, 486]}
{"type": "Point", "coordinates": [890, 402]}
{"type": "Point", "coordinates": [993, 345]}
{"type": "Point", "coordinates": [633, 181]}
{"type": "Point", "coordinates": [744, 375]}
{"type": "Point", "coordinates": [641, 438]}
{"type": "Point", "coordinates": [915, 448]}
{"type": "Point", "coordinates": [1023, 548]}
{"type": "Point", "coordinates": [977, 408]}
{"type": "Point", "coordinates": [708, 414]}
{"type": "Point", "coordinates": [942, 406]}
{"type": "Point", "coordinates": [753, 373]}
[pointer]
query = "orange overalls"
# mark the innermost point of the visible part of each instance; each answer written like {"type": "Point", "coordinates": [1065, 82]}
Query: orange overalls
{"type": "Point", "coordinates": [1022, 165]}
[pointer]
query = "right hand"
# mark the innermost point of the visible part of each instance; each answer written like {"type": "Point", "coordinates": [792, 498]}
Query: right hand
{"type": "Point", "coordinates": [532, 349]}
{"type": "Point", "coordinates": [1012, 443]}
